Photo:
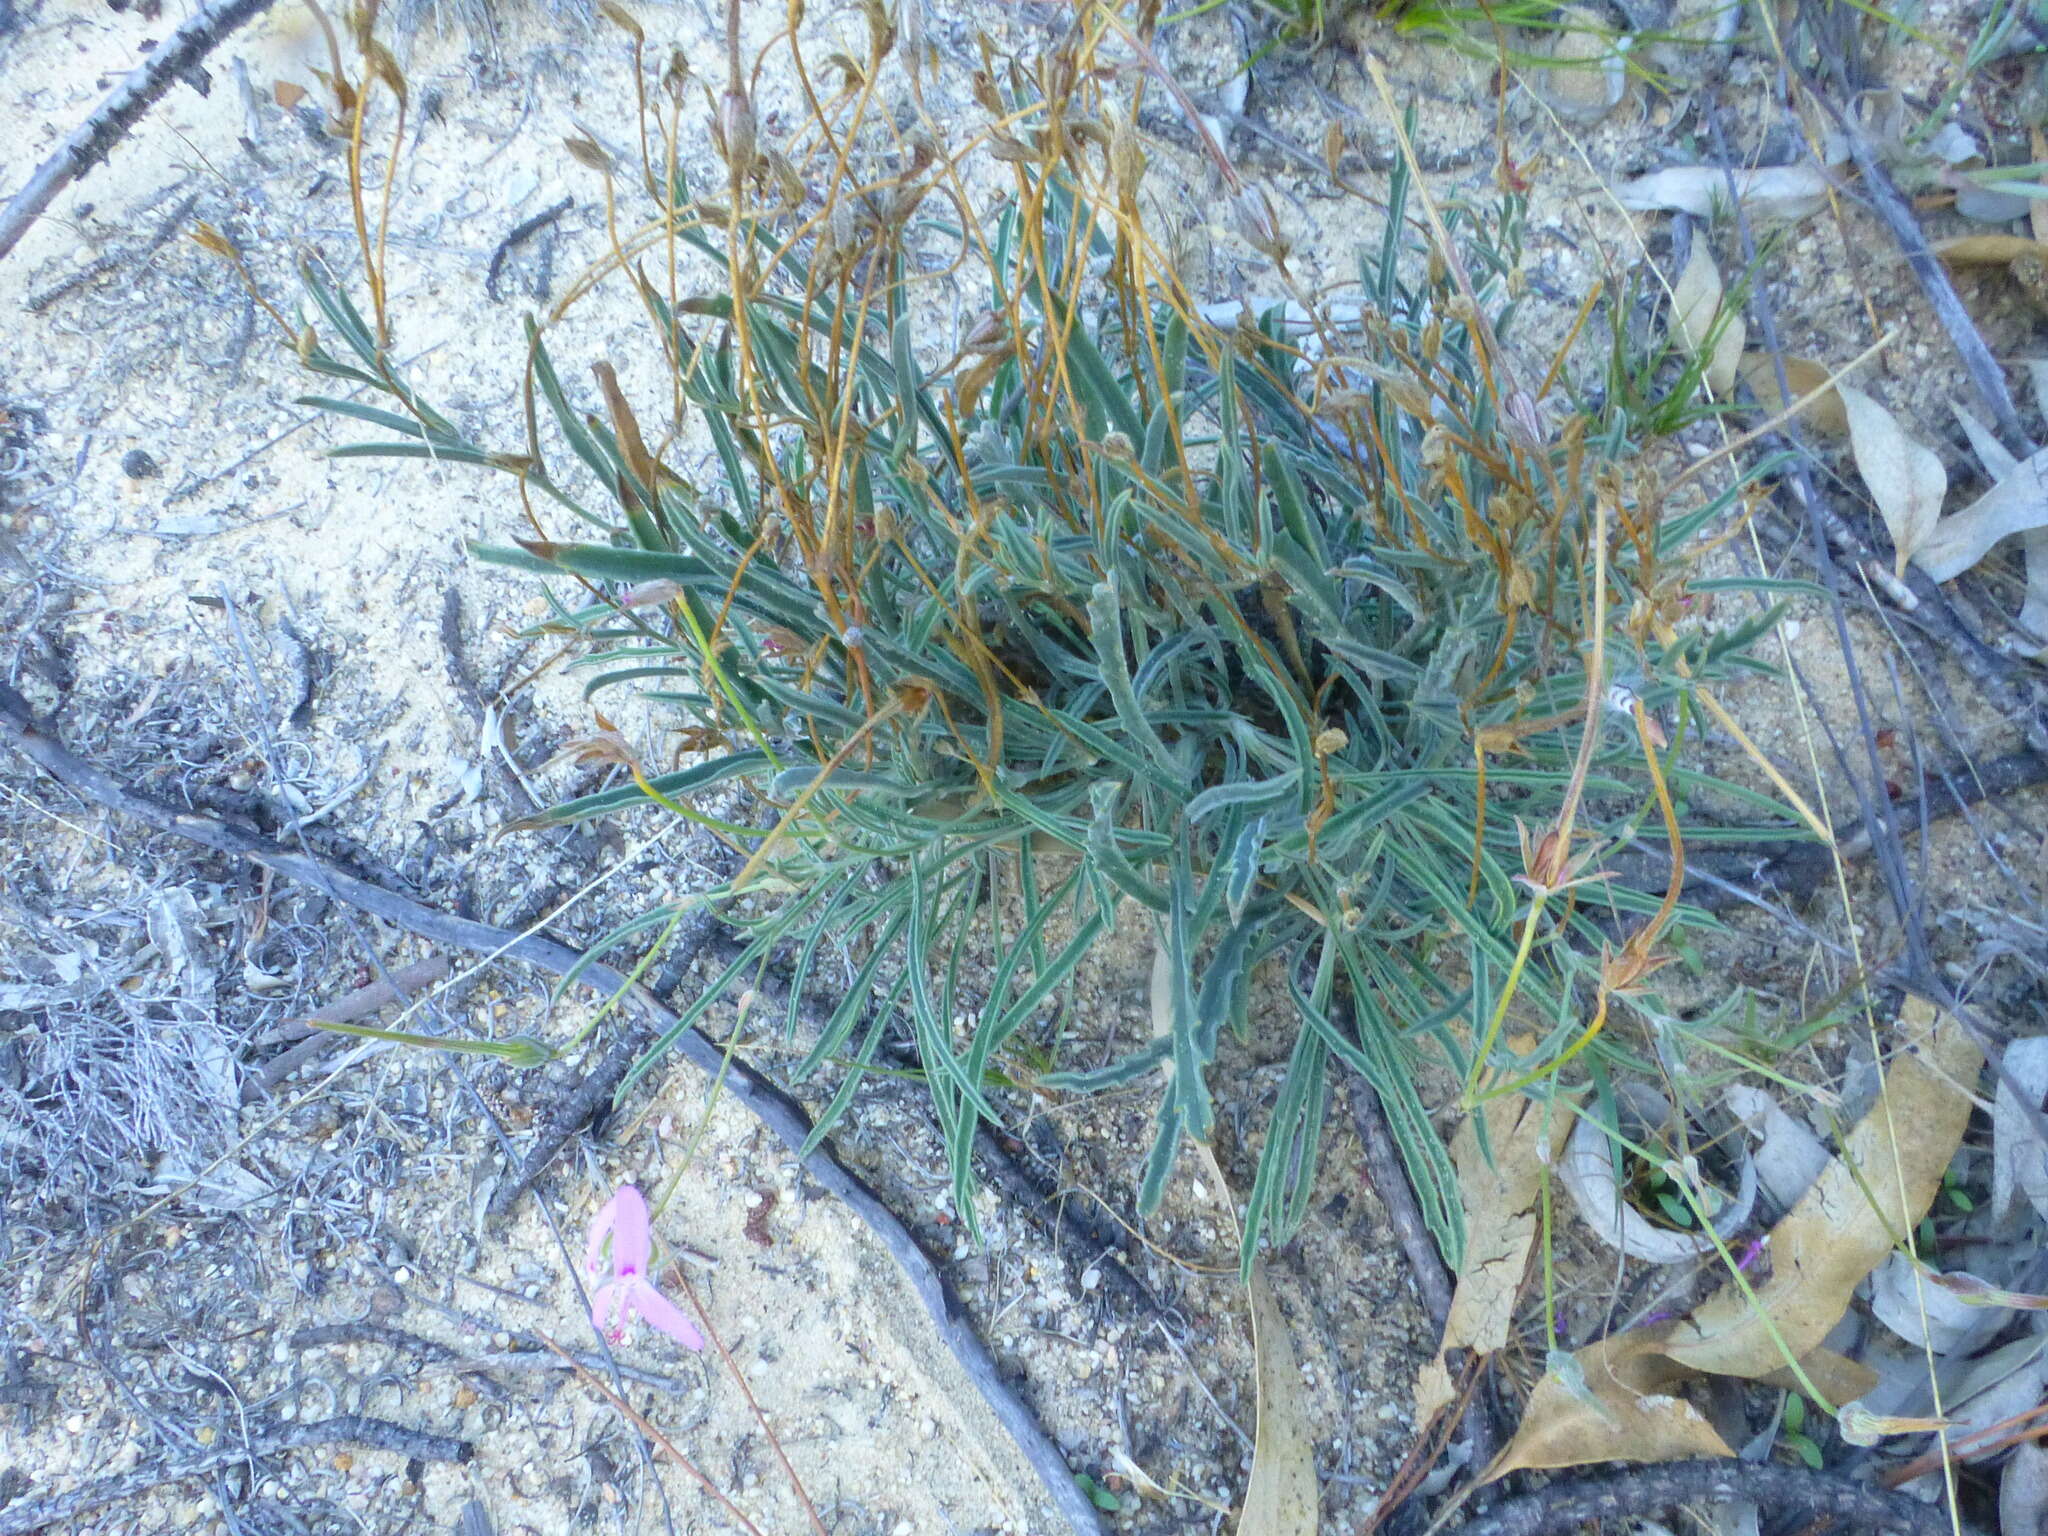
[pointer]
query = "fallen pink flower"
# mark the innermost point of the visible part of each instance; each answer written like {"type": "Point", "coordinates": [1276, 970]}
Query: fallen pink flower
{"type": "Point", "coordinates": [621, 1233]}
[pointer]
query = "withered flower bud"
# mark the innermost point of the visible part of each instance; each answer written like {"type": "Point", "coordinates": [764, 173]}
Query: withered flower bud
{"type": "Point", "coordinates": [736, 129]}
{"type": "Point", "coordinates": [676, 78]}
{"type": "Point", "coordinates": [1259, 225]}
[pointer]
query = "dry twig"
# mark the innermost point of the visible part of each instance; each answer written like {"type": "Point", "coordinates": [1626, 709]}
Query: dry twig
{"type": "Point", "coordinates": [95, 138]}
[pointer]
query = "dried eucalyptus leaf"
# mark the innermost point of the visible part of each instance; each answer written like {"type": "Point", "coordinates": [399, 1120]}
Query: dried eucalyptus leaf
{"type": "Point", "coordinates": [1989, 204]}
{"type": "Point", "coordinates": [1987, 250]}
{"type": "Point", "coordinates": [1921, 1313]}
{"type": "Point", "coordinates": [1281, 1498]}
{"type": "Point", "coordinates": [1843, 1227]}
{"type": "Point", "coordinates": [1587, 1173]}
{"type": "Point", "coordinates": [2019, 1163]}
{"type": "Point", "coordinates": [2017, 504]}
{"type": "Point", "coordinates": [2007, 1381]}
{"type": "Point", "coordinates": [2034, 609]}
{"type": "Point", "coordinates": [1790, 1156]}
{"type": "Point", "coordinates": [1611, 1401]}
{"type": "Point", "coordinates": [1768, 192]}
{"type": "Point", "coordinates": [1696, 304]}
{"type": "Point", "coordinates": [1500, 1199]}
{"type": "Point", "coordinates": [1953, 144]}
{"type": "Point", "coordinates": [1997, 460]}
{"type": "Point", "coordinates": [1905, 477]}
{"type": "Point", "coordinates": [178, 930]}
{"type": "Point", "coordinates": [2023, 1492]}
{"type": "Point", "coordinates": [1812, 392]}
{"type": "Point", "coordinates": [220, 1186]}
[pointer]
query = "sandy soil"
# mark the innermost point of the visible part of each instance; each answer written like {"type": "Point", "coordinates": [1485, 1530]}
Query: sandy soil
{"type": "Point", "coordinates": [230, 614]}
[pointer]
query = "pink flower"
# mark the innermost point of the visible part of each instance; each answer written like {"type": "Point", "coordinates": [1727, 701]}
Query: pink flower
{"type": "Point", "coordinates": [621, 1232]}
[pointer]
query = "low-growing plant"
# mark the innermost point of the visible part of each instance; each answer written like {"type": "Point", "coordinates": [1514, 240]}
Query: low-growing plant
{"type": "Point", "coordinates": [1321, 645]}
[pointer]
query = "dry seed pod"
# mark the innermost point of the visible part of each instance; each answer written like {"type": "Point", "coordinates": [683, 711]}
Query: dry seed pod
{"type": "Point", "coordinates": [840, 224]}
{"type": "Point", "coordinates": [1259, 225]}
{"type": "Point", "coordinates": [675, 79]}
{"type": "Point", "coordinates": [881, 29]}
{"type": "Point", "coordinates": [585, 152]}
{"type": "Point", "coordinates": [623, 19]}
{"type": "Point", "coordinates": [735, 130]}
{"type": "Point", "coordinates": [1126, 159]}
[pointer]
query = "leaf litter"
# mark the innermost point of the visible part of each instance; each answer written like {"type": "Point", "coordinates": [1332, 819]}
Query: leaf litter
{"type": "Point", "coordinates": [1501, 1185]}
{"type": "Point", "coordinates": [1906, 478]}
{"type": "Point", "coordinates": [1705, 324]}
{"type": "Point", "coordinates": [1622, 1396]}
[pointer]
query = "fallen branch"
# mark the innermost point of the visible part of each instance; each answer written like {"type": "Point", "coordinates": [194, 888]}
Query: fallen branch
{"type": "Point", "coordinates": [1390, 1182]}
{"type": "Point", "coordinates": [95, 138]}
{"type": "Point", "coordinates": [349, 1428]}
{"type": "Point", "coordinates": [769, 1104]}
{"type": "Point", "coordinates": [1795, 1497]}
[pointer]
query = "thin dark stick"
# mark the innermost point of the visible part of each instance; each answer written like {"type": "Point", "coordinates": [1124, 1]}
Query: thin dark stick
{"type": "Point", "coordinates": [93, 139]}
{"type": "Point", "coordinates": [1721, 878]}
{"type": "Point", "coordinates": [493, 1361]}
{"type": "Point", "coordinates": [520, 234]}
{"type": "Point", "coordinates": [444, 1359]}
{"type": "Point", "coordinates": [1390, 1182]}
{"type": "Point", "coordinates": [1918, 973]}
{"type": "Point", "coordinates": [775, 1109]}
{"type": "Point", "coordinates": [1055, 1213]}
{"type": "Point", "coordinates": [1473, 1412]}
{"type": "Point", "coordinates": [401, 1339]}
{"type": "Point", "coordinates": [591, 1097]}
{"type": "Point", "coordinates": [1987, 1441]}
{"type": "Point", "coordinates": [314, 1042]}
{"type": "Point", "coordinates": [1794, 1495]}
{"type": "Point", "coordinates": [165, 229]}
{"type": "Point", "coordinates": [378, 1434]}
{"type": "Point", "coordinates": [1963, 334]}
